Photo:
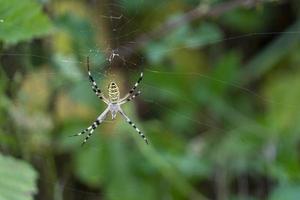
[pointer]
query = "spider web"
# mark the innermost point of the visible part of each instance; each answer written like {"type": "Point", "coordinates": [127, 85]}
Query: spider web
{"type": "Point", "coordinates": [108, 60]}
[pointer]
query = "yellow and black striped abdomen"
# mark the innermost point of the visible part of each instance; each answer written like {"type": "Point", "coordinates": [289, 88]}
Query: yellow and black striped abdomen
{"type": "Point", "coordinates": [113, 92]}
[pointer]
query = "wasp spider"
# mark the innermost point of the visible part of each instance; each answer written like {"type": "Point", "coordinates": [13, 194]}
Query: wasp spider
{"type": "Point", "coordinates": [113, 102]}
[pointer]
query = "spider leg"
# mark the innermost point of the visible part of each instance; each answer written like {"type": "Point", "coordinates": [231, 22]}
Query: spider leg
{"type": "Point", "coordinates": [94, 85]}
{"type": "Point", "coordinates": [95, 124]}
{"type": "Point", "coordinates": [130, 98]}
{"type": "Point", "coordinates": [99, 120]}
{"type": "Point", "coordinates": [133, 125]}
{"type": "Point", "coordinates": [134, 87]}
{"type": "Point", "coordinates": [88, 136]}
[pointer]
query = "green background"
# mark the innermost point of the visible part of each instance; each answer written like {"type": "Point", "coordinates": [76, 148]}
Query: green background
{"type": "Point", "coordinates": [219, 104]}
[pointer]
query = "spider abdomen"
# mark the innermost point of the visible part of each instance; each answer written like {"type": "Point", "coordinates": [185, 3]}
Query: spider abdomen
{"type": "Point", "coordinates": [113, 92]}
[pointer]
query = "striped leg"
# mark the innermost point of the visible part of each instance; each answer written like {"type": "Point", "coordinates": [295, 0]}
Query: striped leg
{"type": "Point", "coordinates": [92, 128]}
{"type": "Point", "coordinates": [133, 125]}
{"type": "Point", "coordinates": [131, 98]}
{"type": "Point", "coordinates": [94, 85]}
{"type": "Point", "coordinates": [88, 136]}
{"type": "Point", "coordinates": [84, 131]}
{"type": "Point", "coordinates": [134, 87]}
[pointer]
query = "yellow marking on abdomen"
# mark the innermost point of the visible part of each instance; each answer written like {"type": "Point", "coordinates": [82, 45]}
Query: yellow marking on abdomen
{"type": "Point", "coordinates": [113, 92]}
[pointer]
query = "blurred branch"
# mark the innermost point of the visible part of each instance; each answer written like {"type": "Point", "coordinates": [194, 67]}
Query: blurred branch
{"type": "Point", "coordinates": [203, 10]}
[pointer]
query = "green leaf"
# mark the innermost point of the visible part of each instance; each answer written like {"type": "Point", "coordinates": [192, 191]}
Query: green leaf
{"type": "Point", "coordinates": [18, 179]}
{"type": "Point", "coordinates": [21, 21]}
{"type": "Point", "coordinates": [183, 37]}
{"type": "Point", "coordinates": [204, 35]}
{"type": "Point", "coordinates": [283, 109]}
{"type": "Point", "coordinates": [246, 20]}
{"type": "Point", "coordinates": [226, 71]}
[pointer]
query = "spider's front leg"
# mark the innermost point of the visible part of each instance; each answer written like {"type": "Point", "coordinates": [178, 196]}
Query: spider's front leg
{"type": "Point", "coordinates": [130, 98]}
{"type": "Point", "coordinates": [94, 84]}
{"type": "Point", "coordinates": [133, 88]}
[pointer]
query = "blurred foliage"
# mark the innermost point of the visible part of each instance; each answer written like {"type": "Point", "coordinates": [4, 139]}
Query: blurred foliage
{"type": "Point", "coordinates": [219, 104]}
{"type": "Point", "coordinates": [22, 20]}
{"type": "Point", "coordinates": [18, 179]}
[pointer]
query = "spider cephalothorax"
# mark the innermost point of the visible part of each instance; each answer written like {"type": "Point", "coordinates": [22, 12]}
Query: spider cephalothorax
{"type": "Point", "coordinates": [113, 104]}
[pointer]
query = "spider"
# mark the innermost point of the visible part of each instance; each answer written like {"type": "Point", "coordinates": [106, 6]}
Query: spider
{"type": "Point", "coordinates": [113, 103]}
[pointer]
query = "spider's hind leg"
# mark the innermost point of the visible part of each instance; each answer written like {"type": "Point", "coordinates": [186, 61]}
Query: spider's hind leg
{"type": "Point", "coordinates": [82, 132]}
{"type": "Point", "coordinates": [92, 128]}
{"type": "Point", "coordinates": [133, 125]}
{"type": "Point", "coordinates": [88, 136]}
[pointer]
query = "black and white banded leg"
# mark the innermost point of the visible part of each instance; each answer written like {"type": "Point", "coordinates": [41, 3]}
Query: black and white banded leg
{"type": "Point", "coordinates": [92, 128]}
{"type": "Point", "coordinates": [131, 98]}
{"type": "Point", "coordinates": [94, 84]}
{"type": "Point", "coordinates": [89, 135]}
{"type": "Point", "coordinates": [134, 87]}
{"type": "Point", "coordinates": [133, 125]}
